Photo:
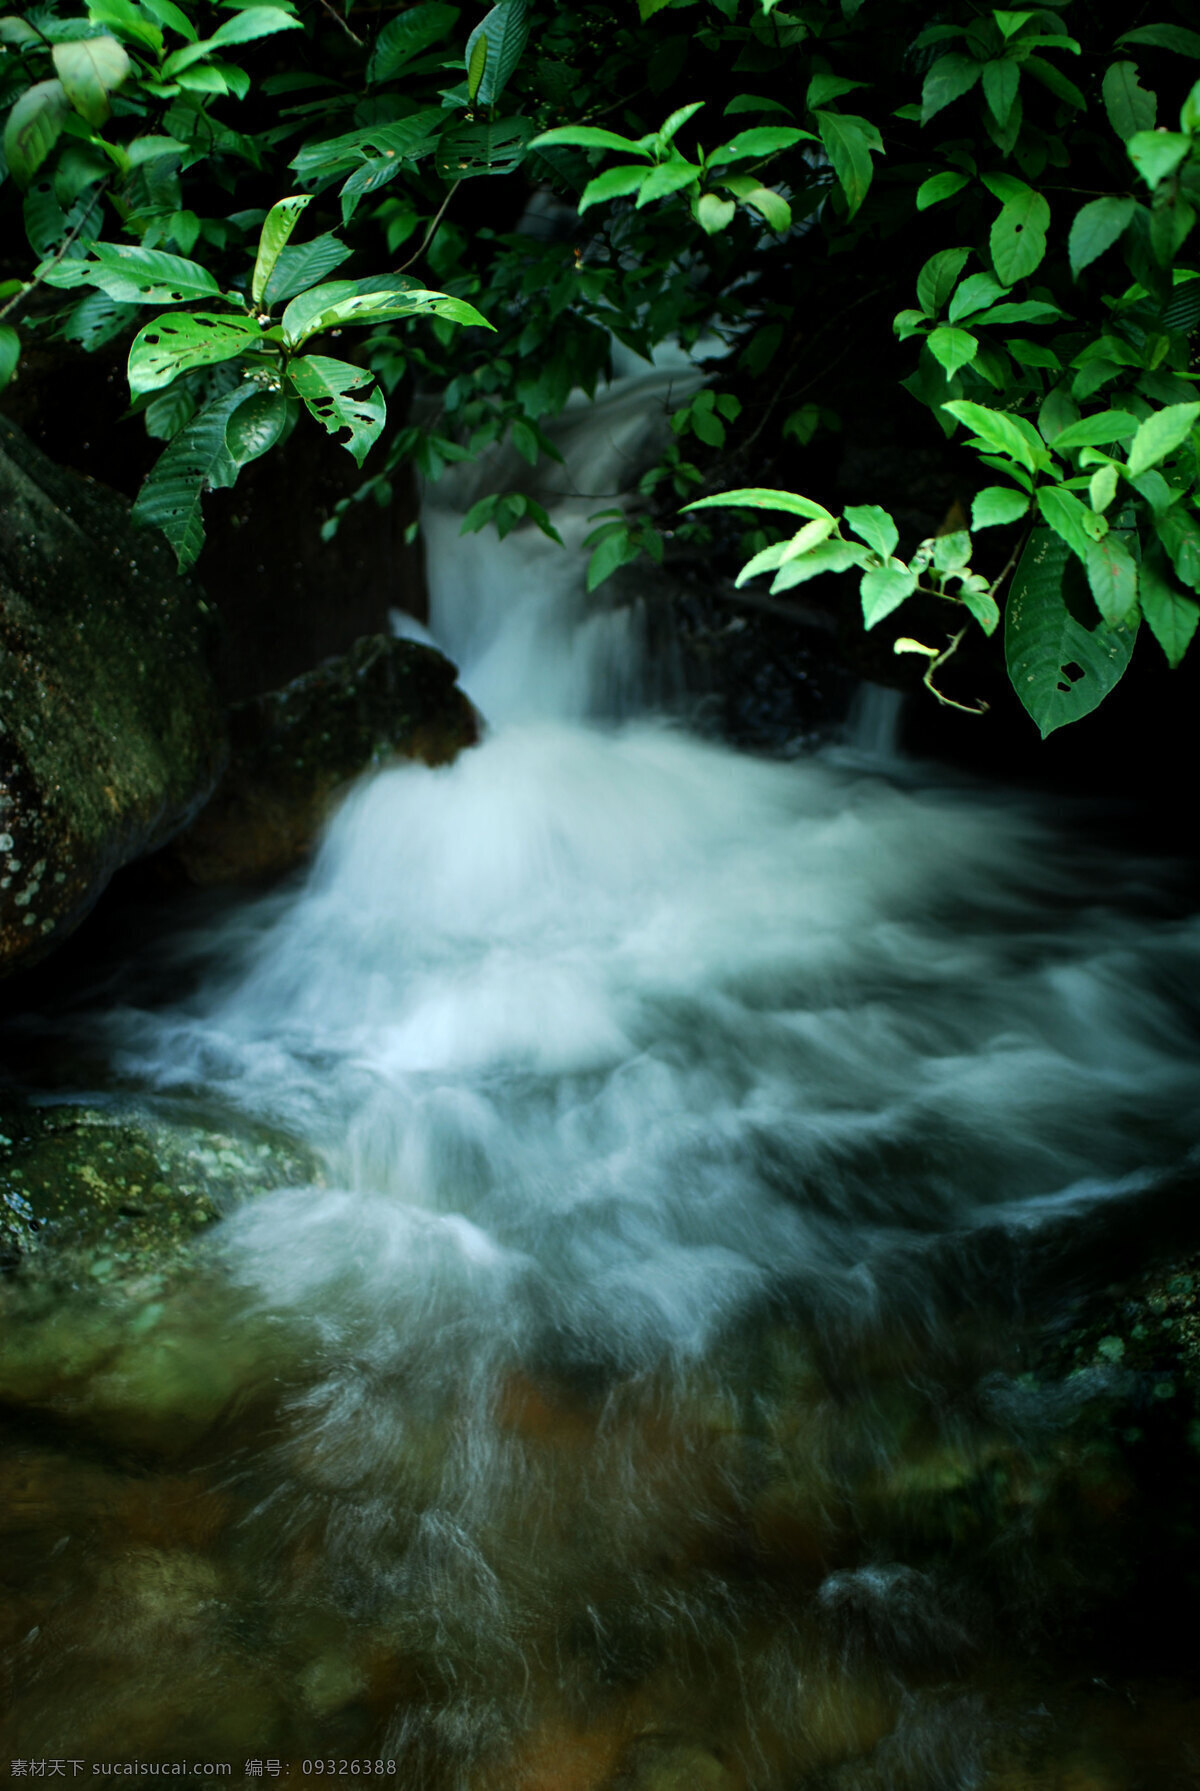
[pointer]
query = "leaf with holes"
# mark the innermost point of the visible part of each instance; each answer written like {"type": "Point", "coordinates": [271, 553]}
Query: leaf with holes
{"type": "Point", "coordinates": [506, 29]}
{"type": "Point", "coordinates": [495, 146]}
{"type": "Point", "coordinates": [90, 70]}
{"type": "Point", "coordinates": [334, 393]}
{"type": "Point", "coordinates": [173, 343]}
{"type": "Point", "coordinates": [196, 461]}
{"type": "Point", "coordinates": [1061, 668]}
{"type": "Point", "coordinates": [416, 29]}
{"type": "Point", "coordinates": [1130, 108]}
{"type": "Point", "coordinates": [316, 310]}
{"type": "Point", "coordinates": [1018, 237]}
{"type": "Point", "coordinates": [33, 128]}
{"type": "Point", "coordinates": [145, 276]}
{"type": "Point", "coordinates": [403, 140]}
{"type": "Point", "coordinates": [97, 319]}
{"type": "Point", "coordinates": [1171, 615]}
{"type": "Point", "coordinates": [278, 225]}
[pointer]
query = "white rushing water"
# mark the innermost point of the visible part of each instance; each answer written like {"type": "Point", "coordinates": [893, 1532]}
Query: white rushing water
{"type": "Point", "coordinates": [604, 1030]}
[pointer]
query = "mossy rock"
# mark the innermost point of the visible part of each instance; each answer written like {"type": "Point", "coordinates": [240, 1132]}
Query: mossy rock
{"type": "Point", "coordinates": [114, 1190]}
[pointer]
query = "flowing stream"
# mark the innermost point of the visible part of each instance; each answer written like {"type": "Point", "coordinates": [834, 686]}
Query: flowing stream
{"type": "Point", "coordinates": [645, 1391]}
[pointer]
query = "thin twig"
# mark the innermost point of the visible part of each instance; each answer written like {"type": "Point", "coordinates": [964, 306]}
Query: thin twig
{"type": "Point", "coordinates": [979, 708]}
{"type": "Point", "coordinates": [1013, 557]}
{"type": "Point", "coordinates": [431, 232]}
{"type": "Point", "coordinates": [71, 237]}
{"type": "Point", "coordinates": [339, 20]}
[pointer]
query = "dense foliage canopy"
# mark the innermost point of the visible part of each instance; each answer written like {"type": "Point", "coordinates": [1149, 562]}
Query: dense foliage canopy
{"type": "Point", "coordinates": [995, 209]}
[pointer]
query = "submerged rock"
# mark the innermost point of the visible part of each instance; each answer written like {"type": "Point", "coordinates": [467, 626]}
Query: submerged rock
{"type": "Point", "coordinates": [294, 750]}
{"type": "Point", "coordinates": [111, 730]}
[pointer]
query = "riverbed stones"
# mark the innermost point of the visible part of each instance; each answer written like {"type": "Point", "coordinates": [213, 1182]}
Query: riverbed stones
{"type": "Point", "coordinates": [294, 750]}
{"type": "Point", "coordinates": [111, 729]}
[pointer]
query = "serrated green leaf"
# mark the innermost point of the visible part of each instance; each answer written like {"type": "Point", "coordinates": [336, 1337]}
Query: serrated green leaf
{"type": "Point", "coordinates": [90, 69]}
{"type": "Point", "coordinates": [333, 392]}
{"type": "Point", "coordinates": [1155, 154]}
{"type": "Point", "coordinates": [402, 38]}
{"type": "Point", "coordinates": [1096, 228]}
{"type": "Point", "coordinates": [1097, 431]}
{"type": "Point", "coordinates": [167, 13]}
{"type": "Point", "coordinates": [1171, 615]}
{"type": "Point", "coordinates": [587, 136]}
{"type": "Point", "coordinates": [246, 25]}
{"type": "Point", "coordinates": [1060, 668]}
{"type": "Point", "coordinates": [875, 526]}
{"type": "Point", "coordinates": [1160, 435]}
{"type": "Point", "coordinates": [665, 179]}
{"type": "Point", "coordinates": [1113, 576]}
{"type": "Point", "coordinates": [33, 128]}
{"type": "Point", "coordinates": [884, 589]}
{"type": "Point", "coordinates": [849, 142]}
{"type": "Point", "coordinates": [1018, 236]}
{"type": "Point", "coordinates": [759, 141]}
{"type": "Point", "coordinates": [614, 183]}
{"type": "Point", "coordinates": [997, 504]}
{"type": "Point", "coordinates": [196, 461]}
{"type": "Point", "coordinates": [760, 497]}
{"type": "Point", "coordinates": [950, 77]}
{"type": "Point", "coordinates": [177, 341]}
{"type": "Point", "coordinates": [126, 21]}
{"type": "Point", "coordinates": [278, 225]}
{"type": "Point", "coordinates": [1130, 107]}
{"type": "Point", "coordinates": [677, 120]}
{"type": "Point", "coordinates": [939, 187]}
{"type": "Point", "coordinates": [983, 607]}
{"type": "Point", "coordinates": [1011, 435]}
{"type": "Point", "coordinates": [829, 556]}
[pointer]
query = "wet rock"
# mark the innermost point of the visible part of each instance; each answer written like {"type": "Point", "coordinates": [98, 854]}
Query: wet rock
{"type": "Point", "coordinates": [668, 1763]}
{"type": "Point", "coordinates": [294, 749]}
{"type": "Point", "coordinates": [111, 731]}
{"type": "Point", "coordinates": [116, 1191]}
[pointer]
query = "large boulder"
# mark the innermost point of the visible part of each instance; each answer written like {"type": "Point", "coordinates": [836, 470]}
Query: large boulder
{"type": "Point", "coordinates": [294, 750]}
{"type": "Point", "coordinates": [111, 729]}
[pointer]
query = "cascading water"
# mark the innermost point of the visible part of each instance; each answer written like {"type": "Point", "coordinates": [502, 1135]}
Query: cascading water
{"type": "Point", "coordinates": [635, 1400]}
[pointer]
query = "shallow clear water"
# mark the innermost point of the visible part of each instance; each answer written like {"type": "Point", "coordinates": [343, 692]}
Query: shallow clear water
{"type": "Point", "coordinates": [641, 1396]}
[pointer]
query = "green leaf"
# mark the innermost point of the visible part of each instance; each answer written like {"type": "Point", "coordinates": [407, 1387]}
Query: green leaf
{"type": "Point", "coordinates": [713, 214]}
{"type": "Point", "coordinates": [983, 607]}
{"type": "Point", "coordinates": [1170, 613]}
{"type": "Point", "coordinates": [256, 426]}
{"type": "Point", "coordinates": [666, 178]}
{"type": "Point", "coordinates": [97, 319]}
{"type": "Point", "coordinates": [506, 29]}
{"type": "Point", "coordinates": [677, 120]}
{"type": "Point", "coordinates": [1155, 154]}
{"type": "Point", "coordinates": [939, 187]}
{"type": "Point", "coordinates": [950, 77]}
{"type": "Point", "coordinates": [614, 183]}
{"type": "Point", "coordinates": [90, 70]}
{"type": "Point", "coordinates": [127, 21]}
{"type": "Point", "coordinates": [1078, 525]}
{"type": "Point", "coordinates": [1018, 237]}
{"type": "Point", "coordinates": [167, 13]}
{"type": "Point", "coordinates": [875, 526]}
{"type": "Point", "coordinates": [476, 64]}
{"type": "Point", "coordinates": [587, 136]}
{"type": "Point", "coordinates": [1010, 435]}
{"type": "Point", "coordinates": [884, 589]}
{"type": "Point", "coordinates": [10, 353]}
{"type": "Point", "coordinates": [823, 88]}
{"type": "Point", "coordinates": [1113, 575]}
{"type": "Point", "coordinates": [975, 293]}
{"type": "Point", "coordinates": [402, 140]}
{"type": "Point", "coordinates": [1097, 431]}
{"type": "Point", "coordinates": [1010, 23]}
{"type": "Point", "coordinates": [1060, 668]}
{"type": "Point", "coordinates": [245, 26]}
{"type": "Point", "coordinates": [771, 206]}
{"type": "Point", "coordinates": [997, 504]}
{"type": "Point", "coordinates": [849, 142]}
{"type": "Point", "coordinates": [167, 414]}
{"type": "Point", "coordinates": [301, 265]}
{"type": "Point", "coordinates": [1160, 435]}
{"type": "Point", "coordinates": [1130, 108]}
{"type": "Point", "coordinates": [280, 221]}
{"type": "Point", "coordinates": [1165, 37]}
{"type": "Point", "coordinates": [1096, 228]}
{"type": "Point", "coordinates": [761, 140]}
{"type": "Point", "coordinates": [494, 146]}
{"type": "Point", "coordinates": [405, 37]}
{"type": "Point", "coordinates": [1052, 77]}
{"type": "Point", "coordinates": [648, 8]}
{"type": "Point", "coordinates": [33, 128]}
{"type": "Point", "coordinates": [1180, 535]}
{"type": "Point", "coordinates": [615, 551]}
{"type": "Point", "coordinates": [333, 392]}
{"type": "Point", "coordinates": [140, 276]}
{"type": "Point", "coordinates": [829, 556]}
{"type": "Point", "coordinates": [1001, 78]}
{"type": "Point", "coordinates": [952, 348]}
{"type": "Point", "coordinates": [938, 278]}
{"type": "Point", "coordinates": [1102, 488]}
{"type": "Point", "coordinates": [194, 462]}
{"type": "Point", "coordinates": [176, 341]}
{"type": "Point", "coordinates": [760, 497]}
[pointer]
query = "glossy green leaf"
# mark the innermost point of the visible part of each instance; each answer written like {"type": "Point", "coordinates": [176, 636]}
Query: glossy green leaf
{"type": "Point", "coordinates": [179, 340]}
{"type": "Point", "coordinates": [589, 136]}
{"type": "Point", "coordinates": [1160, 435]}
{"type": "Point", "coordinates": [280, 221]}
{"type": "Point", "coordinates": [976, 293]}
{"type": "Point", "coordinates": [1060, 668]}
{"type": "Point", "coordinates": [402, 38]}
{"type": "Point", "coordinates": [760, 497]}
{"type": "Point", "coordinates": [666, 178]}
{"type": "Point", "coordinates": [771, 206]}
{"type": "Point", "coordinates": [884, 589]}
{"type": "Point", "coordinates": [476, 64]}
{"type": "Point", "coordinates": [33, 128]}
{"type": "Point", "coordinates": [1096, 431]}
{"type": "Point", "coordinates": [875, 526]}
{"type": "Point", "coordinates": [145, 276]}
{"type": "Point", "coordinates": [256, 426]}
{"type": "Point", "coordinates": [614, 183]}
{"type": "Point", "coordinates": [506, 28]}
{"type": "Point", "coordinates": [1102, 488]}
{"type": "Point", "coordinates": [1010, 435]}
{"type": "Point", "coordinates": [334, 393]}
{"type": "Point", "coordinates": [1077, 524]}
{"type": "Point", "coordinates": [127, 21]}
{"type": "Point", "coordinates": [90, 69]}
{"type": "Point", "coordinates": [829, 556]}
{"type": "Point", "coordinates": [997, 504]}
{"type": "Point", "coordinates": [170, 412]}
{"type": "Point", "coordinates": [615, 551]}
{"type": "Point", "coordinates": [759, 141]}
